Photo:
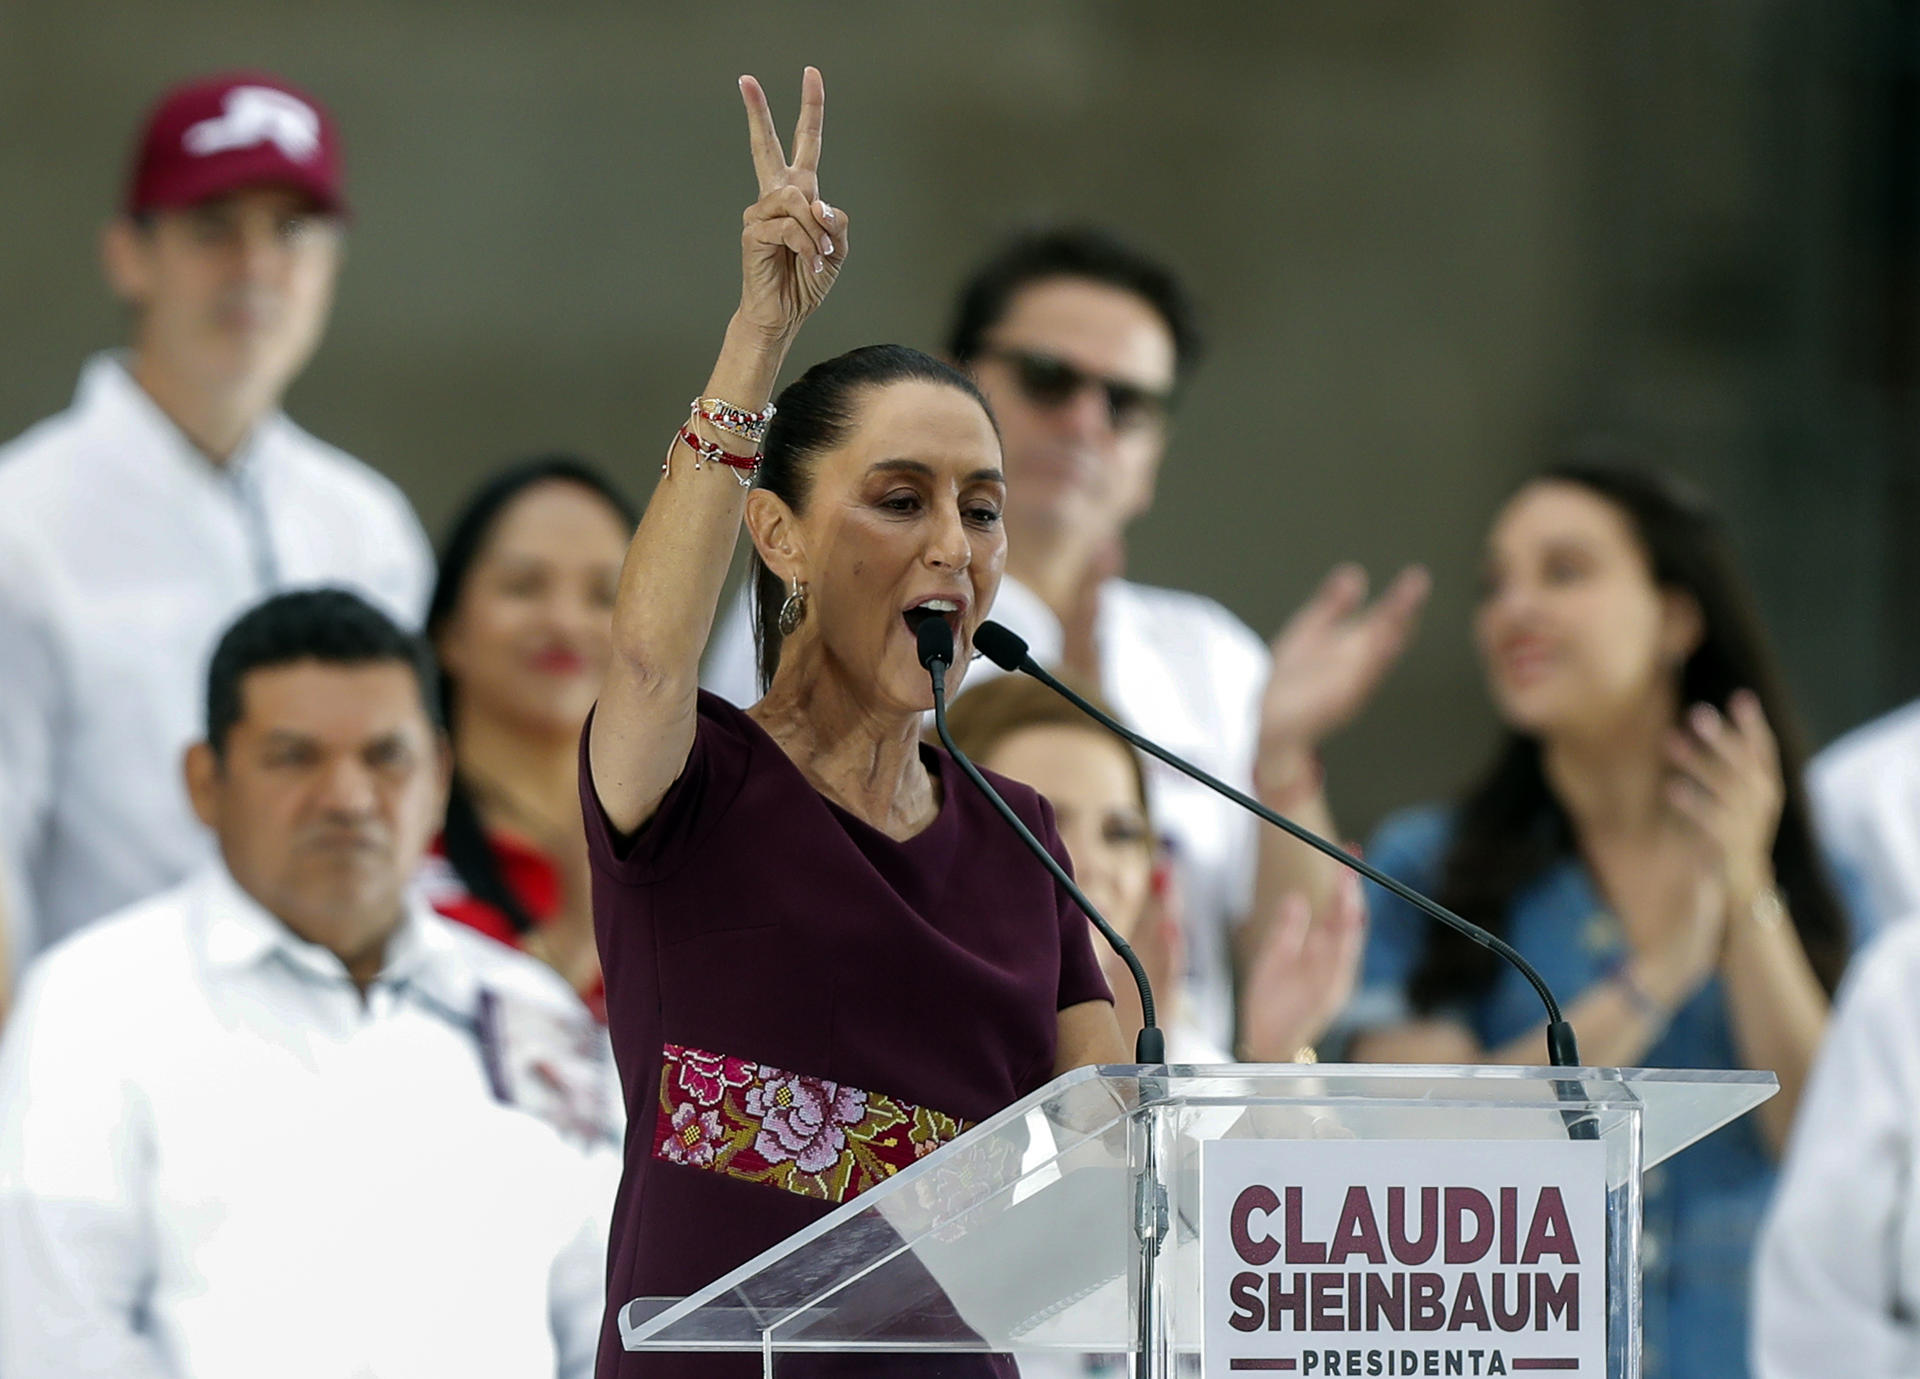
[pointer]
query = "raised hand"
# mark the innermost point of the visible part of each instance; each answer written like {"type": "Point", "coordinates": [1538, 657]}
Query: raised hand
{"type": "Point", "coordinates": [1303, 973]}
{"type": "Point", "coordinates": [793, 242]}
{"type": "Point", "coordinates": [1728, 786]}
{"type": "Point", "coordinates": [1331, 655]}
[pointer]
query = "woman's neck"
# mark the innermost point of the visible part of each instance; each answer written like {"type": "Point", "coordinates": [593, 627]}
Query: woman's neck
{"type": "Point", "coordinates": [863, 758]}
{"type": "Point", "coordinates": [527, 782]}
{"type": "Point", "coordinates": [1613, 781]}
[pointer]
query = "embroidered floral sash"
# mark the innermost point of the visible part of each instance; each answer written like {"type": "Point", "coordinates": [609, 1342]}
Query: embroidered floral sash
{"type": "Point", "coordinates": [804, 1134]}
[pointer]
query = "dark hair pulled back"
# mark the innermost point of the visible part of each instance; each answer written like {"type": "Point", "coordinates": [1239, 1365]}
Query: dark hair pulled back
{"type": "Point", "coordinates": [463, 838]}
{"type": "Point", "coordinates": [1511, 828]}
{"type": "Point", "coordinates": [812, 414]}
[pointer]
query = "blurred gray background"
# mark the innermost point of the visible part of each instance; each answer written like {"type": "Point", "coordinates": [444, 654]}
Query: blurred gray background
{"type": "Point", "coordinates": [1433, 237]}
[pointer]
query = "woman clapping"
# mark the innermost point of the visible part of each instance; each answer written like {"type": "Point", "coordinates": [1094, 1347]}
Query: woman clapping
{"type": "Point", "coordinates": [1642, 836]}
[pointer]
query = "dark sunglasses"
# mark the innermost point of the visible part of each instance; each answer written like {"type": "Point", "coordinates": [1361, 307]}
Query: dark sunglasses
{"type": "Point", "coordinates": [1050, 382]}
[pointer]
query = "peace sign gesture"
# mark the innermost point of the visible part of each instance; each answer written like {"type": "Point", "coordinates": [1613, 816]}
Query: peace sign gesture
{"type": "Point", "coordinates": [793, 243]}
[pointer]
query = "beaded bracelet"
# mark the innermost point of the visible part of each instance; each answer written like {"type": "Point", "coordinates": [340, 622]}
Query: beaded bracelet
{"type": "Point", "coordinates": [743, 466]}
{"type": "Point", "coordinates": [747, 425]}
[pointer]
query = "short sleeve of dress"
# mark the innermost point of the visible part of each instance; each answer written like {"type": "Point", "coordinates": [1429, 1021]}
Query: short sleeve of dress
{"type": "Point", "coordinates": [1410, 847]}
{"type": "Point", "coordinates": [1081, 979]}
{"type": "Point", "coordinates": [691, 811]}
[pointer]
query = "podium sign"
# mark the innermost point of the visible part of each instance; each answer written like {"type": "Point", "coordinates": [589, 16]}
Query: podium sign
{"type": "Point", "coordinates": [1097, 1218]}
{"type": "Point", "coordinates": [1393, 1258]}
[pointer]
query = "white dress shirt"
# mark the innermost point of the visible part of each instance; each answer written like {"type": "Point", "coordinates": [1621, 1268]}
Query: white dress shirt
{"type": "Point", "coordinates": [1837, 1274]}
{"type": "Point", "coordinates": [1866, 796]}
{"type": "Point", "coordinates": [1187, 673]}
{"type": "Point", "coordinates": [217, 1161]}
{"type": "Point", "coordinates": [124, 553]}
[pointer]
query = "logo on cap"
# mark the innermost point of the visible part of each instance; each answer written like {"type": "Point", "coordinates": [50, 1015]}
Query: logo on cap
{"type": "Point", "coordinates": [254, 115]}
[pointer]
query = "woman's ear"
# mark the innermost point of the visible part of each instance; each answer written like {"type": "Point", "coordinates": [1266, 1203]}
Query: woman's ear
{"type": "Point", "coordinates": [775, 532]}
{"type": "Point", "coordinates": [1682, 626]}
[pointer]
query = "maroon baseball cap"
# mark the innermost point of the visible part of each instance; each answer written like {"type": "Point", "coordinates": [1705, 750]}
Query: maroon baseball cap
{"type": "Point", "coordinates": [221, 134]}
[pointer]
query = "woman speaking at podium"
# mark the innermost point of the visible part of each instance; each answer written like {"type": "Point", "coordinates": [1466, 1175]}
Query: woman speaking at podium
{"type": "Point", "coordinates": [825, 956]}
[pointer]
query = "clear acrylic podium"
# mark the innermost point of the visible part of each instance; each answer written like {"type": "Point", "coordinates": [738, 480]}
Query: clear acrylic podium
{"type": "Point", "coordinates": [1069, 1225]}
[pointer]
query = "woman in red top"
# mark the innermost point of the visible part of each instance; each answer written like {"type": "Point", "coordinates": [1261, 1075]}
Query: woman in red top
{"type": "Point", "coordinates": [521, 620]}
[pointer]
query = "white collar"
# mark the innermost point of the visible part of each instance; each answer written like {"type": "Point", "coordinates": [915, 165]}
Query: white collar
{"type": "Point", "coordinates": [236, 931]}
{"type": "Point", "coordinates": [108, 390]}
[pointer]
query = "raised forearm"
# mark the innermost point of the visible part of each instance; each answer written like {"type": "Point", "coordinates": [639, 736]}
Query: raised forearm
{"type": "Point", "coordinates": [1288, 783]}
{"type": "Point", "coordinates": [677, 563]}
{"type": "Point", "coordinates": [1776, 1006]}
{"type": "Point", "coordinates": [1617, 1021]}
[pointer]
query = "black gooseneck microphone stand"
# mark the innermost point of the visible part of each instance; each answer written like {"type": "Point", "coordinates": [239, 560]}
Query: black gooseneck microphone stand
{"type": "Point", "coordinates": [1009, 652]}
{"type": "Point", "coordinates": [933, 639]}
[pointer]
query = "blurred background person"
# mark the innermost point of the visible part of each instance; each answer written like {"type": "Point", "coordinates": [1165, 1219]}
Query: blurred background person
{"type": "Point", "coordinates": [283, 1119]}
{"type": "Point", "coordinates": [1642, 836]}
{"type": "Point", "coordinates": [172, 494]}
{"type": "Point", "coordinates": [522, 623]}
{"type": "Point", "coordinates": [1837, 1272]}
{"type": "Point", "coordinates": [1302, 974]}
{"type": "Point", "coordinates": [1691, 222]}
{"type": "Point", "coordinates": [1866, 795]}
{"type": "Point", "coordinates": [1081, 344]}
{"type": "Point", "coordinates": [6, 940]}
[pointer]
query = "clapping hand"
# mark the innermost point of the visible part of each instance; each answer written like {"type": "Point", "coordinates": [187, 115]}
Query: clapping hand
{"type": "Point", "coordinates": [793, 243]}
{"type": "Point", "coordinates": [1331, 655]}
{"type": "Point", "coordinates": [1303, 973]}
{"type": "Point", "coordinates": [1728, 786]}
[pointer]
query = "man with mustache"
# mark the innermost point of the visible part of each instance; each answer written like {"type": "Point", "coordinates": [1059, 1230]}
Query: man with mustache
{"type": "Point", "coordinates": [284, 1119]}
{"type": "Point", "coordinates": [172, 494]}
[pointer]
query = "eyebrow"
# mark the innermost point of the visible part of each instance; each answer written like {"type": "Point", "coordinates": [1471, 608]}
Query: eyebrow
{"type": "Point", "coordinates": [925, 471]}
{"type": "Point", "coordinates": [286, 737]}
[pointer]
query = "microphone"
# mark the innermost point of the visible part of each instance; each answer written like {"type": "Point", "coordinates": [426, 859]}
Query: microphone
{"type": "Point", "coordinates": [933, 639]}
{"type": "Point", "coordinates": [1008, 651]}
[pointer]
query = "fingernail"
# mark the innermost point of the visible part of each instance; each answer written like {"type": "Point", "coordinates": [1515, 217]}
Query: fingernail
{"type": "Point", "coordinates": [1702, 717]}
{"type": "Point", "coordinates": [826, 212]}
{"type": "Point", "coordinates": [826, 245]}
{"type": "Point", "coordinates": [819, 265]}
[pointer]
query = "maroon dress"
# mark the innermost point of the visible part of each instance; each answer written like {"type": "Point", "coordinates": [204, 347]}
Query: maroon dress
{"type": "Point", "coordinates": [801, 1005]}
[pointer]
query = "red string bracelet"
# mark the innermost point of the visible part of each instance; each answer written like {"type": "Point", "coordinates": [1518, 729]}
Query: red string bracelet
{"type": "Point", "coordinates": [743, 466]}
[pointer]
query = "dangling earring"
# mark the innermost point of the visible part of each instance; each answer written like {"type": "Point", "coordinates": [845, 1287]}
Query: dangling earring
{"type": "Point", "coordinates": [793, 611]}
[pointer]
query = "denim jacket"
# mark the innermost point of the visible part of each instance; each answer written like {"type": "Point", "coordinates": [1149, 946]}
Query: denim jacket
{"type": "Point", "coordinates": [1703, 1207]}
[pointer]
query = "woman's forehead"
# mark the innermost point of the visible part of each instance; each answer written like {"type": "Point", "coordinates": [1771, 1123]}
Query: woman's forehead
{"type": "Point", "coordinates": [556, 511]}
{"type": "Point", "coordinates": [933, 424]}
{"type": "Point", "coordinates": [1549, 512]}
{"type": "Point", "coordinates": [1084, 754]}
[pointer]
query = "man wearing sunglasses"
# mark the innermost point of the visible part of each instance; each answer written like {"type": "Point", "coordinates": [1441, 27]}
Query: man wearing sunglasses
{"type": "Point", "coordinates": [1081, 345]}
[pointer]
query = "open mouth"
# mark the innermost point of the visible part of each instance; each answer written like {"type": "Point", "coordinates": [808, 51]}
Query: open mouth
{"type": "Point", "coordinates": [926, 609]}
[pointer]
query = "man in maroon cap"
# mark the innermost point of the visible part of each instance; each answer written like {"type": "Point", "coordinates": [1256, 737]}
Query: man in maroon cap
{"type": "Point", "coordinates": [172, 494]}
